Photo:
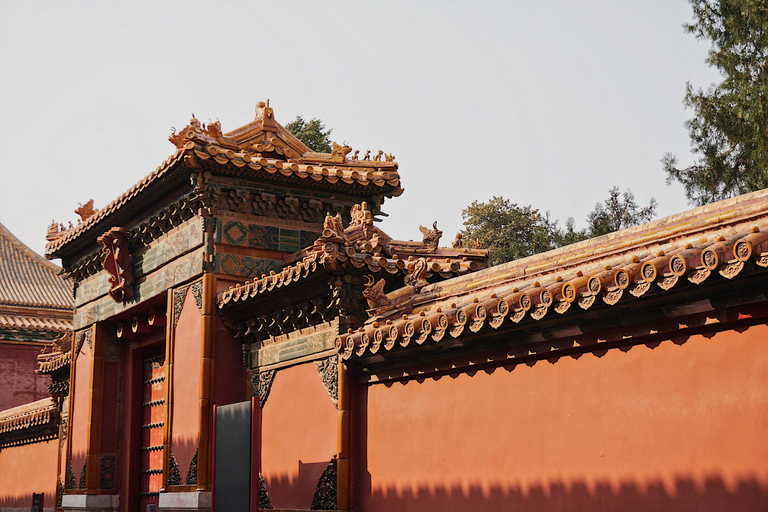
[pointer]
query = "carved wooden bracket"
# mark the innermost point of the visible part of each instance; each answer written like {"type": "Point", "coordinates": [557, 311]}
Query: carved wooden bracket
{"type": "Point", "coordinates": [117, 262]}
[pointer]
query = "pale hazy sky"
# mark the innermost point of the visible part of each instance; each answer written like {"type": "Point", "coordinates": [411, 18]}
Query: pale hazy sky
{"type": "Point", "coordinates": [547, 103]}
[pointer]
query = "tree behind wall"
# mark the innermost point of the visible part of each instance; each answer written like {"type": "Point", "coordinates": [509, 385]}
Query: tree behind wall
{"type": "Point", "coordinates": [312, 133]}
{"type": "Point", "coordinates": [619, 211]}
{"type": "Point", "coordinates": [510, 232]}
{"type": "Point", "coordinates": [729, 133]}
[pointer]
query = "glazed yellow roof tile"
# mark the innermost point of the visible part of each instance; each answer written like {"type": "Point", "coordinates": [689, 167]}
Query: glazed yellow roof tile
{"type": "Point", "coordinates": [27, 279]}
{"type": "Point", "coordinates": [28, 415]}
{"type": "Point", "coordinates": [236, 150]}
{"type": "Point", "coordinates": [713, 242]}
{"type": "Point", "coordinates": [49, 363]}
{"type": "Point", "coordinates": [361, 172]}
{"type": "Point", "coordinates": [34, 323]}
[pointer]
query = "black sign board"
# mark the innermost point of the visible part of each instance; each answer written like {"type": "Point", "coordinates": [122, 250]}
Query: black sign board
{"type": "Point", "coordinates": [232, 457]}
{"type": "Point", "coordinates": [38, 502]}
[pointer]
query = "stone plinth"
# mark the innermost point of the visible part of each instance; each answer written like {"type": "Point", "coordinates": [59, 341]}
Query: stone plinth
{"type": "Point", "coordinates": [90, 502]}
{"type": "Point", "coordinates": [185, 501]}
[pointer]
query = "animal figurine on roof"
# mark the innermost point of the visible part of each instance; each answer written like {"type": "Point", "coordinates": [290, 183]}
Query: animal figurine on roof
{"type": "Point", "coordinates": [86, 210]}
{"type": "Point", "coordinates": [374, 293]}
{"type": "Point", "coordinates": [431, 236]}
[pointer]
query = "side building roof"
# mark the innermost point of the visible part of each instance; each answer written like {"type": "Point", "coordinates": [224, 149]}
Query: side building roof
{"type": "Point", "coordinates": [34, 298]}
{"type": "Point", "coordinates": [29, 280]}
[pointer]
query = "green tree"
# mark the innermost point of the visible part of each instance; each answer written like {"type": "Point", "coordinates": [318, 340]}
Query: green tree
{"type": "Point", "coordinates": [619, 211]}
{"type": "Point", "coordinates": [507, 230]}
{"type": "Point", "coordinates": [510, 231]}
{"type": "Point", "coordinates": [729, 133]}
{"type": "Point", "coordinates": [312, 133]}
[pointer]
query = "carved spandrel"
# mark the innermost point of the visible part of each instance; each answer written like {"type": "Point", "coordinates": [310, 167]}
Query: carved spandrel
{"type": "Point", "coordinates": [329, 373]}
{"type": "Point", "coordinates": [262, 384]}
{"type": "Point", "coordinates": [117, 262]}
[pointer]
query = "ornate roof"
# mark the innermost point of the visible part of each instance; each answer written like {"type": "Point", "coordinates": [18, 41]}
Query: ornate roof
{"type": "Point", "coordinates": [56, 356]}
{"type": "Point", "coordinates": [27, 415]}
{"type": "Point", "coordinates": [262, 148]}
{"type": "Point", "coordinates": [35, 421]}
{"type": "Point", "coordinates": [28, 280]}
{"type": "Point", "coordinates": [690, 252]}
{"type": "Point", "coordinates": [34, 323]}
{"type": "Point", "coordinates": [365, 248]}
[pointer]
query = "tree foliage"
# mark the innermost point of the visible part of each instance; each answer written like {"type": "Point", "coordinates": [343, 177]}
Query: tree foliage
{"type": "Point", "coordinates": [507, 230]}
{"type": "Point", "coordinates": [312, 133]}
{"type": "Point", "coordinates": [729, 133]}
{"type": "Point", "coordinates": [510, 231]}
{"type": "Point", "coordinates": [619, 211]}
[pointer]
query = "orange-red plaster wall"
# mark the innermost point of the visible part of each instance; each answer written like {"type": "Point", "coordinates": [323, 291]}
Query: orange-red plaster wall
{"type": "Point", "coordinates": [81, 405]}
{"type": "Point", "coordinates": [230, 384]}
{"type": "Point", "coordinates": [25, 470]}
{"type": "Point", "coordinates": [186, 385]}
{"type": "Point", "coordinates": [19, 384]}
{"type": "Point", "coordinates": [676, 427]}
{"type": "Point", "coordinates": [298, 436]}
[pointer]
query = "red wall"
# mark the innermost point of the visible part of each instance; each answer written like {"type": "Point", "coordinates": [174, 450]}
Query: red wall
{"type": "Point", "coordinates": [674, 426]}
{"type": "Point", "coordinates": [25, 470]}
{"type": "Point", "coordinates": [298, 436]}
{"type": "Point", "coordinates": [19, 384]}
{"type": "Point", "coordinates": [186, 385]}
{"type": "Point", "coordinates": [230, 383]}
{"type": "Point", "coordinates": [80, 404]}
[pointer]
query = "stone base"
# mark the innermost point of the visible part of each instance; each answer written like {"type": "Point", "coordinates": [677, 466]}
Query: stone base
{"type": "Point", "coordinates": [196, 501]}
{"type": "Point", "coordinates": [24, 509]}
{"type": "Point", "coordinates": [90, 502]}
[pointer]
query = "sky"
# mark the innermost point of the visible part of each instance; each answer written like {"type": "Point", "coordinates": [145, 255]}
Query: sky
{"type": "Point", "coordinates": [548, 103]}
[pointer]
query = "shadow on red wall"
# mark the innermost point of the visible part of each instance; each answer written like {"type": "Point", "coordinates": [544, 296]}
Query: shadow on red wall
{"type": "Point", "coordinates": [714, 496]}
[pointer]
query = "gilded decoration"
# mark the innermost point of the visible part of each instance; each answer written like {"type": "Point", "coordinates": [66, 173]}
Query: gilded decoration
{"type": "Point", "coordinates": [86, 335]}
{"type": "Point", "coordinates": [71, 477]}
{"type": "Point", "coordinates": [197, 293]}
{"type": "Point", "coordinates": [107, 471]}
{"type": "Point", "coordinates": [325, 493]}
{"type": "Point", "coordinates": [192, 472]}
{"type": "Point", "coordinates": [264, 501]}
{"type": "Point", "coordinates": [81, 484]}
{"type": "Point", "coordinates": [174, 475]}
{"type": "Point", "coordinates": [117, 262]}
{"type": "Point", "coordinates": [179, 294]}
{"type": "Point", "coordinates": [329, 373]}
{"type": "Point", "coordinates": [262, 384]}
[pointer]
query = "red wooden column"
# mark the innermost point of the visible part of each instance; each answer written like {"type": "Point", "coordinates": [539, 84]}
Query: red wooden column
{"type": "Point", "coordinates": [96, 405]}
{"type": "Point", "coordinates": [207, 354]}
{"type": "Point", "coordinates": [344, 441]}
{"type": "Point", "coordinates": [255, 451]}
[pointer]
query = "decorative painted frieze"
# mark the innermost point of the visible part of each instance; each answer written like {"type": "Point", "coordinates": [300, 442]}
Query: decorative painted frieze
{"type": "Point", "coordinates": [301, 343]}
